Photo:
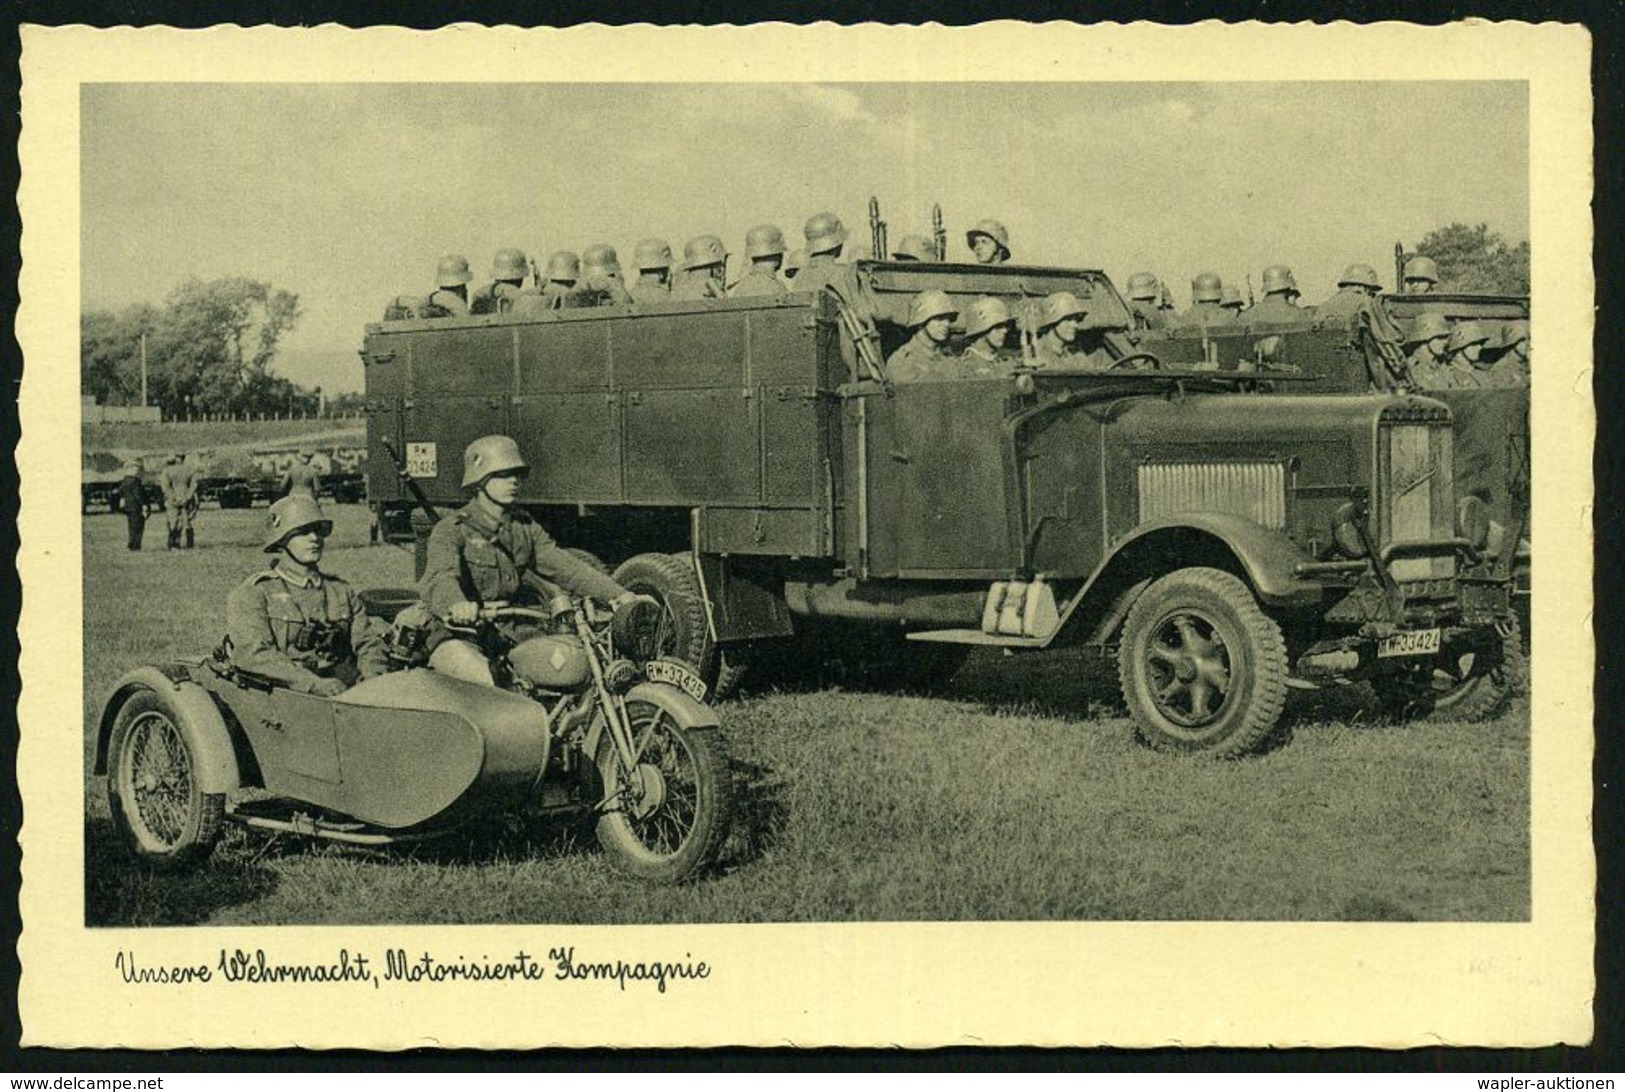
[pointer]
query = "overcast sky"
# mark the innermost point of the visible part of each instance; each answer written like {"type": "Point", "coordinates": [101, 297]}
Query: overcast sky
{"type": "Point", "coordinates": [347, 194]}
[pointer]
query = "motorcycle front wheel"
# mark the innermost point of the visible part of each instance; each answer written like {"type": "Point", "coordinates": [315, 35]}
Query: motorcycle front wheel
{"type": "Point", "coordinates": [665, 818]}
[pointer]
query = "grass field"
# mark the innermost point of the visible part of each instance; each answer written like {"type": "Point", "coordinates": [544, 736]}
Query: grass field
{"type": "Point", "coordinates": [1019, 794]}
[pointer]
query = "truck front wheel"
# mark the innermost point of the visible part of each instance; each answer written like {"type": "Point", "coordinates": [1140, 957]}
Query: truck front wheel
{"type": "Point", "coordinates": [1203, 668]}
{"type": "Point", "coordinates": [670, 579]}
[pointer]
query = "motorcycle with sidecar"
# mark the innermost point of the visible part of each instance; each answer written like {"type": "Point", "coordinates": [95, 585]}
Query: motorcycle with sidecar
{"type": "Point", "coordinates": [586, 719]}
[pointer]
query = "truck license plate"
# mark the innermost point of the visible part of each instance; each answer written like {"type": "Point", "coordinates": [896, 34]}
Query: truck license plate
{"type": "Point", "coordinates": [420, 461]}
{"type": "Point", "coordinates": [675, 674]}
{"type": "Point", "coordinates": [1420, 642]}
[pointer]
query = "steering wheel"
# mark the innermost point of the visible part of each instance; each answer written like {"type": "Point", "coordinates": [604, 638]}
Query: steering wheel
{"type": "Point", "coordinates": [1151, 360]}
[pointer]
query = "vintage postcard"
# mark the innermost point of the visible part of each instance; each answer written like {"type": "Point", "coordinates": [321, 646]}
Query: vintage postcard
{"type": "Point", "coordinates": [770, 535]}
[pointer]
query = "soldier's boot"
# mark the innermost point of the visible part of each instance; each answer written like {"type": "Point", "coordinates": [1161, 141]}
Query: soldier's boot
{"type": "Point", "coordinates": [174, 538]}
{"type": "Point", "coordinates": [188, 538]}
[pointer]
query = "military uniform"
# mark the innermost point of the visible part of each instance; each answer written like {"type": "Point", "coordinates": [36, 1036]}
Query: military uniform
{"type": "Point", "coordinates": [820, 270]}
{"type": "Point", "coordinates": [1205, 313]}
{"type": "Point", "coordinates": [495, 299]}
{"type": "Point", "coordinates": [758, 282]}
{"type": "Point", "coordinates": [180, 499]}
{"type": "Point", "coordinates": [1343, 305]}
{"type": "Point", "coordinates": [442, 303]}
{"type": "Point", "coordinates": [650, 292]}
{"type": "Point", "coordinates": [1051, 352]}
{"type": "Point", "coordinates": [1509, 371]}
{"type": "Point", "coordinates": [132, 501]}
{"type": "Point", "coordinates": [478, 558]}
{"type": "Point", "coordinates": [301, 478]}
{"type": "Point", "coordinates": [697, 286]}
{"type": "Point", "coordinates": [604, 290]}
{"type": "Point", "coordinates": [1275, 308]}
{"type": "Point", "coordinates": [981, 362]}
{"type": "Point", "coordinates": [1147, 316]}
{"type": "Point", "coordinates": [920, 360]}
{"type": "Point", "coordinates": [301, 629]}
{"type": "Point", "coordinates": [1429, 371]}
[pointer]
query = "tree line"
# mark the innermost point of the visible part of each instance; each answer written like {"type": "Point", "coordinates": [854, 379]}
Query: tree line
{"type": "Point", "coordinates": [1476, 259]}
{"type": "Point", "coordinates": [209, 350]}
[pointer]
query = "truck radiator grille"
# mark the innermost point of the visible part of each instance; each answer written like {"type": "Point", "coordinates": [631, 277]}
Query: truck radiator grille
{"type": "Point", "coordinates": [1255, 490]}
{"type": "Point", "coordinates": [1418, 479]}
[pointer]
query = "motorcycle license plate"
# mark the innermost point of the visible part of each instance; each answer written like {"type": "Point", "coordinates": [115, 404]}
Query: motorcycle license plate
{"type": "Point", "coordinates": [675, 674]}
{"type": "Point", "coordinates": [1417, 642]}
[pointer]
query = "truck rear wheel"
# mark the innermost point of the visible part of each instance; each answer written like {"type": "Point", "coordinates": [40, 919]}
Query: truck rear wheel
{"type": "Point", "coordinates": [1458, 686]}
{"type": "Point", "coordinates": [1203, 668]}
{"type": "Point", "coordinates": [684, 634]}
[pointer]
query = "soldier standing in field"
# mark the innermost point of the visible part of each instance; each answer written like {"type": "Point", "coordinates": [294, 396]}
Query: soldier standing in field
{"type": "Point", "coordinates": [914, 248]}
{"type": "Point", "coordinates": [1207, 290]}
{"type": "Point", "coordinates": [987, 327]}
{"type": "Point", "coordinates": [132, 501]}
{"type": "Point", "coordinates": [450, 298]}
{"type": "Point", "coordinates": [1280, 302]}
{"type": "Point", "coordinates": [1060, 321]}
{"type": "Point", "coordinates": [301, 477]}
{"type": "Point", "coordinates": [764, 247]}
{"type": "Point", "coordinates": [1425, 351]}
{"type": "Point", "coordinates": [705, 267]}
{"type": "Point", "coordinates": [295, 624]}
{"type": "Point", "coordinates": [1421, 275]}
{"type": "Point", "coordinates": [989, 242]}
{"type": "Point", "coordinates": [825, 235]}
{"type": "Point", "coordinates": [1144, 289]}
{"type": "Point", "coordinates": [481, 553]}
{"type": "Point", "coordinates": [924, 356]}
{"type": "Point", "coordinates": [1356, 289]}
{"type": "Point", "coordinates": [602, 285]}
{"type": "Point", "coordinates": [179, 481]}
{"type": "Point", "coordinates": [508, 270]}
{"type": "Point", "coordinates": [653, 259]}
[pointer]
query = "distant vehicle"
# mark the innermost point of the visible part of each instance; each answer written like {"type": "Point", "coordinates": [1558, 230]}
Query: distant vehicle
{"type": "Point", "coordinates": [1225, 533]}
{"type": "Point", "coordinates": [99, 475]}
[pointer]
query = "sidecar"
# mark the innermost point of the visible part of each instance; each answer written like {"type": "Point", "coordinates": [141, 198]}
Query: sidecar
{"type": "Point", "coordinates": [397, 757]}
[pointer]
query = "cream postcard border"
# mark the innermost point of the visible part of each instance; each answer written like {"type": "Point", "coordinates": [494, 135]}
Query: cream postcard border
{"type": "Point", "coordinates": [1127, 984]}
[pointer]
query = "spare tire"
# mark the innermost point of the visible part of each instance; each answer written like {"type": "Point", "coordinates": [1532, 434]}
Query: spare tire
{"type": "Point", "coordinates": [670, 579]}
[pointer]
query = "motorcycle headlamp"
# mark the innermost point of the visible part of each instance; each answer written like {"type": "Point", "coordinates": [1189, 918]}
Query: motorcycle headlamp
{"type": "Point", "coordinates": [620, 676]}
{"type": "Point", "coordinates": [1346, 532]}
{"type": "Point", "coordinates": [1473, 521]}
{"type": "Point", "coordinates": [635, 629]}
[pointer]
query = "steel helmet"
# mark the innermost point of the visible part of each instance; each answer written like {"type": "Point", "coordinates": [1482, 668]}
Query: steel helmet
{"type": "Point", "coordinates": [289, 516]}
{"type": "Point", "coordinates": [914, 248]}
{"type": "Point", "coordinates": [1422, 268]}
{"type": "Point", "coordinates": [601, 258]}
{"type": "Point", "coordinates": [1361, 274]}
{"type": "Point", "coordinates": [1144, 286]}
{"type": "Point", "coordinates": [652, 254]}
{"type": "Point", "coordinates": [1513, 332]}
{"type": "Point", "coordinates": [1207, 288]}
{"type": "Point", "coordinates": [563, 265]}
{"type": "Point", "coordinates": [452, 271]}
{"type": "Point", "coordinates": [930, 304]}
{"type": "Point", "coordinates": [1230, 296]}
{"type": "Point", "coordinates": [993, 230]}
{"type": "Point", "coordinates": [763, 241]}
{"type": "Point", "coordinates": [984, 313]}
{"type": "Point", "coordinates": [509, 265]}
{"type": "Point", "coordinates": [1427, 326]}
{"type": "Point", "coordinates": [793, 262]}
{"type": "Point", "coordinates": [491, 455]}
{"type": "Point", "coordinates": [1279, 278]}
{"type": "Point", "coordinates": [704, 250]}
{"type": "Point", "coordinates": [824, 232]}
{"type": "Point", "coordinates": [1465, 334]}
{"type": "Point", "coordinates": [1060, 305]}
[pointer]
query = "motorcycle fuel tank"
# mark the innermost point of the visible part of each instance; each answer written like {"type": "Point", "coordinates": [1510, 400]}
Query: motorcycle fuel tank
{"type": "Point", "coordinates": [550, 662]}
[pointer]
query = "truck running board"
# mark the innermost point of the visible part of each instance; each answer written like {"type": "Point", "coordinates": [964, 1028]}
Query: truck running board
{"type": "Point", "coordinates": [975, 637]}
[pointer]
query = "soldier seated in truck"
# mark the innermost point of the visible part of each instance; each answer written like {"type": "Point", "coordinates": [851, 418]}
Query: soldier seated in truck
{"type": "Point", "coordinates": [483, 552]}
{"type": "Point", "coordinates": [987, 327]}
{"type": "Point", "coordinates": [924, 357]}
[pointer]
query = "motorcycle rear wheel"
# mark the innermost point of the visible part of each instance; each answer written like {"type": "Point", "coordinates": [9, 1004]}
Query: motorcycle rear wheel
{"type": "Point", "coordinates": [667, 818]}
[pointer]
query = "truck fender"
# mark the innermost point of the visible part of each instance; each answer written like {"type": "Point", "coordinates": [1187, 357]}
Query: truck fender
{"type": "Point", "coordinates": [688, 713]}
{"type": "Point", "coordinates": [201, 723]}
{"type": "Point", "coordinates": [1266, 559]}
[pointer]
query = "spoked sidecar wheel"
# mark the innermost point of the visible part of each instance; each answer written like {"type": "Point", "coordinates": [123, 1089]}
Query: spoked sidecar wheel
{"type": "Point", "coordinates": [668, 817]}
{"type": "Point", "coordinates": [152, 786]}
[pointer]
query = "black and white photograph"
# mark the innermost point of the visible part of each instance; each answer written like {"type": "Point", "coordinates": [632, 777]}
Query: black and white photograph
{"type": "Point", "coordinates": [526, 519]}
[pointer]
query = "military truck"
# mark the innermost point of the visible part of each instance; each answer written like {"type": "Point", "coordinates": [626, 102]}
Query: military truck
{"type": "Point", "coordinates": [1492, 434]}
{"type": "Point", "coordinates": [749, 463]}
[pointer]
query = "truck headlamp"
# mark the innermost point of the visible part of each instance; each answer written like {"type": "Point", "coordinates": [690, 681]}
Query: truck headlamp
{"type": "Point", "coordinates": [1473, 521]}
{"type": "Point", "coordinates": [1025, 384]}
{"type": "Point", "coordinates": [1345, 532]}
